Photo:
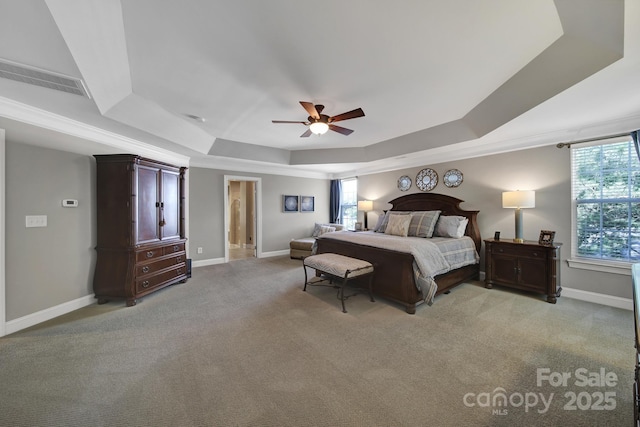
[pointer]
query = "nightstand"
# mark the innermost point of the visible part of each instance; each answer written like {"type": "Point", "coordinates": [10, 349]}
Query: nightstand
{"type": "Point", "coordinates": [527, 266]}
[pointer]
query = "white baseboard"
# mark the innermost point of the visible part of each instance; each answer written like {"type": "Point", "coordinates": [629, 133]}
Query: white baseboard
{"type": "Point", "coordinates": [48, 314]}
{"type": "Point", "coordinates": [609, 300]}
{"type": "Point", "coordinates": [594, 297]}
{"type": "Point", "coordinates": [205, 262]}
{"type": "Point", "coordinates": [274, 253]}
{"type": "Point", "coordinates": [214, 261]}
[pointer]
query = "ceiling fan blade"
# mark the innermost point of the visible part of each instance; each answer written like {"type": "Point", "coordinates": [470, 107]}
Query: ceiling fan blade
{"type": "Point", "coordinates": [319, 108]}
{"type": "Point", "coordinates": [311, 109]}
{"type": "Point", "coordinates": [340, 129]}
{"type": "Point", "coordinates": [348, 115]}
{"type": "Point", "coordinates": [286, 121]}
{"type": "Point", "coordinates": [306, 134]}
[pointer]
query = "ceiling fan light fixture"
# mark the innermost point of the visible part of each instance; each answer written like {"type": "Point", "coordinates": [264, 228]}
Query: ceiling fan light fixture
{"type": "Point", "coordinates": [319, 128]}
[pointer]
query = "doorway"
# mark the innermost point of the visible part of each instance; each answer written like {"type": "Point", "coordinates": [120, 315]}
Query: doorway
{"type": "Point", "coordinates": [241, 217]}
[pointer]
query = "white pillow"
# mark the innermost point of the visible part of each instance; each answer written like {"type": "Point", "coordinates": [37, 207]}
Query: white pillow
{"type": "Point", "coordinates": [325, 229]}
{"type": "Point", "coordinates": [318, 227]}
{"type": "Point", "coordinates": [379, 223]}
{"type": "Point", "coordinates": [398, 225]}
{"type": "Point", "coordinates": [451, 226]}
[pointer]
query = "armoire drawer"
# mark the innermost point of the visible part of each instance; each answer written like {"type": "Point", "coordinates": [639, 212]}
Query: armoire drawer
{"type": "Point", "coordinates": [174, 248]}
{"type": "Point", "coordinates": [149, 282]}
{"type": "Point", "coordinates": [161, 264]}
{"type": "Point", "coordinates": [159, 251]}
{"type": "Point", "coordinates": [149, 254]}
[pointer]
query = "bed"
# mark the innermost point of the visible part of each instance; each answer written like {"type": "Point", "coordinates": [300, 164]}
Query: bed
{"type": "Point", "coordinates": [395, 272]}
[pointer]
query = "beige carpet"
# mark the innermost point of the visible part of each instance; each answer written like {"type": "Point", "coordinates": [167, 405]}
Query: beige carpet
{"type": "Point", "coordinates": [240, 344]}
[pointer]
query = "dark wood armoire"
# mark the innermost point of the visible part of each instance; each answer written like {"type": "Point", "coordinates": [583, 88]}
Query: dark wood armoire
{"type": "Point", "coordinates": [141, 243]}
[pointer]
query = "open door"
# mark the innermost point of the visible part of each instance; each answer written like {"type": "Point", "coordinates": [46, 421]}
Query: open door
{"type": "Point", "coordinates": [241, 217]}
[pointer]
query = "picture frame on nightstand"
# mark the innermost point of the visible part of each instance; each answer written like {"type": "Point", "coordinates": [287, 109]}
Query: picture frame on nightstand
{"type": "Point", "coordinates": [546, 237]}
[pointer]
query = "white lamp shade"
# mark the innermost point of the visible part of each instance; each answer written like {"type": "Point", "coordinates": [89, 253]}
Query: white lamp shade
{"type": "Point", "coordinates": [365, 205]}
{"type": "Point", "coordinates": [319, 128]}
{"type": "Point", "coordinates": [519, 199]}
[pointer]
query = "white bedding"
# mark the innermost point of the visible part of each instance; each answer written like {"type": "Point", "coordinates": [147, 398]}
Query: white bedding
{"type": "Point", "coordinates": [433, 256]}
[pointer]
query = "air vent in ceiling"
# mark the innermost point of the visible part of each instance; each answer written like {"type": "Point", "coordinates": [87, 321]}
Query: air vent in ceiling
{"type": "Point", "coordinates": [38, 77]}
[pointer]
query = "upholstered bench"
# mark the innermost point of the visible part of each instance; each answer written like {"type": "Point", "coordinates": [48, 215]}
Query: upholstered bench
{"type": "Point", "coordinates": [337, 266]}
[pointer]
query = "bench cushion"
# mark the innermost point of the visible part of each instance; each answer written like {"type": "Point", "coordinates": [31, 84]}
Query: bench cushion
{"type": "Point", "coordinates": [337, 265]}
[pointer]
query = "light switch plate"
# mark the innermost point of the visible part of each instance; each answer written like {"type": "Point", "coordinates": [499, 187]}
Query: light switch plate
{"type": "Point", "coordinates": [36, 221]}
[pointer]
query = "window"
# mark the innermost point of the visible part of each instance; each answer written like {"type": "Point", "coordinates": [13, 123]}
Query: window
{"type": "Point", "coordinates": [349, 203]}
{"type": "Point", "coordinates": [606, 194]}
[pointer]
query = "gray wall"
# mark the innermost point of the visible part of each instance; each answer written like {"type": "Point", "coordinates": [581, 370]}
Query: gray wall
{"type": "Point", "coordinates": [546, 170]}
{"type": "Point", "coordinates": [53, 265]}
{"type": "Point", "coordinates": [48, 266]}
{"type": "Point", "coordinates": [206, 210]}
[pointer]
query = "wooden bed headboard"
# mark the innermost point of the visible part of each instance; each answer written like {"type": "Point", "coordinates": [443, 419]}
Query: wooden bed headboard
{"type": "Point", "coordinates": [447, 204]}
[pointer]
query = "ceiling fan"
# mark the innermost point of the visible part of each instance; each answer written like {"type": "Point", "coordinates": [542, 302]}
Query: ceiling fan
{"type": "Point", "coordinates": [320, 123]}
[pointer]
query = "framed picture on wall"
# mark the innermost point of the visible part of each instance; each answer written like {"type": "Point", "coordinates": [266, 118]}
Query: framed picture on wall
{"type": "Point", "coordinates": [290, 203]}
{"type": "Point", "coordinates": [307, 204]}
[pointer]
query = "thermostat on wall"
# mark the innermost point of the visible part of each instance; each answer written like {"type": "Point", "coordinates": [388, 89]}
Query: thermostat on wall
{"type": "Point", "coordinates": [70, 203]}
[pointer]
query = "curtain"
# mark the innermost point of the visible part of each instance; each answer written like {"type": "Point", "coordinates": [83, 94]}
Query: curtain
{"type": "Point", "coordinates": [636, 143]}
{"type": "Point", "coordinates": [334, 201]}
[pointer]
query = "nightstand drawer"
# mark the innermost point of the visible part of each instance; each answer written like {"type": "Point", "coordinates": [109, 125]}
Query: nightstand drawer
{"type": "Point", "coordinates": [517, 250]}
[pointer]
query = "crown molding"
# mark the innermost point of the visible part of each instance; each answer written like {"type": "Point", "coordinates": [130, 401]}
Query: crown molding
{"type": "Point", "coordinates": [44, 119]}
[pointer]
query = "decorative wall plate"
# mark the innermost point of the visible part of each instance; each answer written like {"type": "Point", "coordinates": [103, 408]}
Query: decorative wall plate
{"type": "Point", "coordinates": [452, 178]}
{"type": "Point", "coordinates": [404, 183]}
{"type": "Point", "coordinates": [427, 179]}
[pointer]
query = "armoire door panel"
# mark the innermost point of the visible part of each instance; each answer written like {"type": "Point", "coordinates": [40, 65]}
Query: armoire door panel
{"type": "Point", "coordinates": [148, 222]}
{"type": "Point", "coordinates": [170, 210]}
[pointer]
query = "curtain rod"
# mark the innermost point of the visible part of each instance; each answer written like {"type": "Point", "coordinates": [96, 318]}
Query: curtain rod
{"type": "Point", "coordinates": [569, 144]}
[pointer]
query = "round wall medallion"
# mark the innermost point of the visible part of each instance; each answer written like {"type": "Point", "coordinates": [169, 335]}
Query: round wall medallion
{"type": "Point", "coordinates": [427, 179]}
{"type": "Point", "coordinates": [404, 183]}
{"type": "Point", "coordinates": [452, 178]}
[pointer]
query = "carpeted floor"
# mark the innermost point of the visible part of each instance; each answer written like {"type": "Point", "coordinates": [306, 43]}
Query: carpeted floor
{"type": "Point", "coordinates": [240, 344]}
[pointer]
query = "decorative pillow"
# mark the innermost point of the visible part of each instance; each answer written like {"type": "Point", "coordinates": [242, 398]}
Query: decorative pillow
{"type": "Point", "coordinates": [325, 229]}
{"type": "Point", "coordinates": [398, 225]}
{"type": "Point", "coordinates": [317, 227]}
{"type": "Point", "coordinates": [423, 223]}
{"type": "Point", "coordinates": [379, 223]}
{"type": "Point", "coordinates": [385, 219]}
{"type": "Point", "coordinates": [451, 226]}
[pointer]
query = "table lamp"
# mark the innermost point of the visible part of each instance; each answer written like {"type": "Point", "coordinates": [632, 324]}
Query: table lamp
{"type": "Point", "coordinates": [519, 200]}
{"type": "Point", "coordinates": [365, 206]}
